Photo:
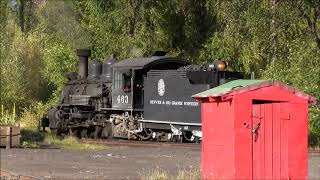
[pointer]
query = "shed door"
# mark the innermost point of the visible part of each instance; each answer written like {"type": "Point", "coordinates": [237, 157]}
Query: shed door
{"type": "Point", "coordinates": [270, 141]}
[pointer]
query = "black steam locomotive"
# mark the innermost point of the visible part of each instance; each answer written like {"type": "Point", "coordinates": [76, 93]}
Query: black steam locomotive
{"type": "Point", "coordinates": [138, 98]}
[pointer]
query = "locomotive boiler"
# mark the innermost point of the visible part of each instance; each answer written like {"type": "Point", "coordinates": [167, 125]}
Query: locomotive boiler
{"type": "Point", "coordinates": [136, 98]}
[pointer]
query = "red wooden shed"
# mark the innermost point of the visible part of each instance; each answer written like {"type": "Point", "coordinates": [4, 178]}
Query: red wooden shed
{"type": "Point", "coordinates": [254, 129]}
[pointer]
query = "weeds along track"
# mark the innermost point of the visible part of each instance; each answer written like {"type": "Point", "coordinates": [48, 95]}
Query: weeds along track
{"type": "Point", "coordinates": [136, 143]}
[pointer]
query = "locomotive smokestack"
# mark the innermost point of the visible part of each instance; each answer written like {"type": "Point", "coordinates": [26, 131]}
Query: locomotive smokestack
{"type": "Point", "coordinates": [83, 55]}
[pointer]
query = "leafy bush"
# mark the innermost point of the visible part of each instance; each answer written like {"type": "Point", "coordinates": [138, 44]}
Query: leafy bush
{"type": "Point", "coordinates": [30, 137]}
{"type": "Point", "coordinates": [30, 117]}
{"type": "Point", "coordinates": [314, 126]}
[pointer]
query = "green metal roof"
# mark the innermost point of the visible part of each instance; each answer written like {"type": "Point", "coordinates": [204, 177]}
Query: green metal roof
{"type": "Point", "coordinates": [228, 87]}
{"type": "Point", "coordinates": [241, 85]}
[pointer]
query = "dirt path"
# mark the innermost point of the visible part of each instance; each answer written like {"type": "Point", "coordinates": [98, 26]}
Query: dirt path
{"type": "Point", "coordinates": [112, 163]}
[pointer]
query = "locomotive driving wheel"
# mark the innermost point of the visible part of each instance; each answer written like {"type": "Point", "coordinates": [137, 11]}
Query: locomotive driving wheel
{"type": "Point", "coordinates": [188, 136]}
{"type": "Point", "coordinates": [75, 132]}
{"type": "Point", "coordinates": [145, 135]}
{"type": "Point", "coordinates": [107, 131]}
{"type": "Point", "coordinates": [97, 132]}
{"type": "Point", "coordinates": [56, 131]}
{"type": "Point", "coordinates": [84, 133]}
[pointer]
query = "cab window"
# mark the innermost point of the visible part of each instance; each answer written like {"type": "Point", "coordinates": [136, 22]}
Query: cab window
{"type": "Point", "coordinates": [126, 83]}
{"type": "Point", "coordinates": [122, 80]}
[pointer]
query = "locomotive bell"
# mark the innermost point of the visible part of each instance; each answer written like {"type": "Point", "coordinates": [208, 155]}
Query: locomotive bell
{"type": "Point", "coordinates": [83, 55]}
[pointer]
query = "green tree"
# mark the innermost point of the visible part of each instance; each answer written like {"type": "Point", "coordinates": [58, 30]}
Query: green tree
{"type": "Point", "coordinates": [61, 34]}
{"type": "Point", "coordinates": [12, 89]}
{"type": "Point", "coordinates": [138, 28]}
{"type": "Point", "coordinates": [275, 39]}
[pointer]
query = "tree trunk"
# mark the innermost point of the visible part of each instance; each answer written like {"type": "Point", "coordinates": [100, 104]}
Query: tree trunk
{"type": "Point", "coordinates": [273, 34]}
{"type": "Point", "coordinates": [21, 14]}
{"type": "Point", "coordinates": [312, 24]}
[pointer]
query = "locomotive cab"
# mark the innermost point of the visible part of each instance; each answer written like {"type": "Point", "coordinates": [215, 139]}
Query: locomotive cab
{"type": "Point", "coordinates": [128, 80]}
{"type": "Point", "coordinates": [127, 90]}
{"type": "Point", "coordinates": [122, 89]}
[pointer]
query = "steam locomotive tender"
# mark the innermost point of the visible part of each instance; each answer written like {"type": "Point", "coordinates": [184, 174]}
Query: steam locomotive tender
{"type": "Point", "coordinates": [137, 98]}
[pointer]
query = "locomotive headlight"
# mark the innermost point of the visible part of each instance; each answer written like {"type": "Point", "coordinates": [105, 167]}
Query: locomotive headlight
{"type": "Point", "coordinates": [220, 65]}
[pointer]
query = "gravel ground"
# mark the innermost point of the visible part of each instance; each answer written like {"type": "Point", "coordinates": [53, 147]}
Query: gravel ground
{"type": "Point", "coordinates": [314, 166]}
{"type": "Point", "coordinates": [112, 163]}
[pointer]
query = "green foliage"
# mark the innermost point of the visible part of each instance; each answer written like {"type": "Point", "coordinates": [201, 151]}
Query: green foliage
{"type": "Point", "coordinates": [12, 90]}
{"type": "Point", "coordinates": [314, 126]}
{"type": "Point", "coordinates": [59, 59]}
{"type": "Point", "coordinates": [138, 28]}
{"type": "Point", "coordinates": [62, 34]}
{"type": "Point", "coordinates": [3, 24]}
{"type": "Point", "coordinates": [59, 22]}
{"type": "Point", "coordinates": [8, 117]}
{"type": "Point", "coordinates": [31, 115]}
{"type": "Point", "coordinates": [243, 35]}
{"type": "Point", "coordinates": [31, 137]}
{"type": "Point", "coordinates": [314, 122]}
{"type": "Point", "coordinates": [21, 79]}
{"type": "Point", "coordinates": [28, 118]}
{"type": "Point", "coordinates": [36, 60]}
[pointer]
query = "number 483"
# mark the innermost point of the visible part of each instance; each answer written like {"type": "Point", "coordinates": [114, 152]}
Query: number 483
{"type": "Point", "coordinates": [122, 99]}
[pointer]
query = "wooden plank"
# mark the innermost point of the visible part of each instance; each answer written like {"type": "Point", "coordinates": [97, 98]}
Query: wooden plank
{"type": "Point", "coordinates": [262, 134]}
{"type": "Point", "coordinates": [284, 123]}
{"type": "Point", "coordinates": [268, 141]}
{"type": "Point", "coordinates": [276, 141]}
{"type": "Point", "coordinates": [9, 136]}
{"type": "Point", "coordinates": [256, 141]}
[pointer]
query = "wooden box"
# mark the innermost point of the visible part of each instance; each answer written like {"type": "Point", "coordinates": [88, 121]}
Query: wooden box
{"type": "Point", "coordinates": [11, 133]}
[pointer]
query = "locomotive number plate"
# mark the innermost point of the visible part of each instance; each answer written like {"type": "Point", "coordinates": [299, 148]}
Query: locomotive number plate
{"type": "Point", "coordinates": [122, 99]}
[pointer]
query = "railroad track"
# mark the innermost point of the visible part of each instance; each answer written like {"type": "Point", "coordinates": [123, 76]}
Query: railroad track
{"type": "Point", "coordinates": [136, 143]}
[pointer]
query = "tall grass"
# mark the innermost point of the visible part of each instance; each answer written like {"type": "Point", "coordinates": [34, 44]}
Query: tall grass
{"type": "Point", "coordinates": [8, 116]}
{"type": "Point", "coordinates": [34, 138]}
{"type": "Point", "coordinates": [29, 118]}
{"type": "Point", "coordinates": [161, 174]}
{"type": "Point", "coordinates": [70, 142]}
{"type": "Point", "coordinates": [190, 174]}
{"type": "Point", "coordinates": [155, 174]}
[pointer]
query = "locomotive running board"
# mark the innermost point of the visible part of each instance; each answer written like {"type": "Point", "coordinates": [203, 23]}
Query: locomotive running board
{"type": "Point", "coordinates": [169, 122]}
